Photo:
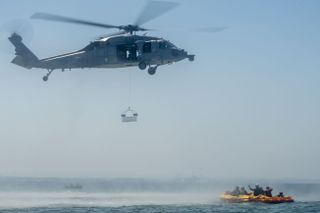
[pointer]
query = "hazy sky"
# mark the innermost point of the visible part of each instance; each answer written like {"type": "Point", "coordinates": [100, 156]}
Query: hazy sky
{"type": "Point", "coordinates": [247, 107]}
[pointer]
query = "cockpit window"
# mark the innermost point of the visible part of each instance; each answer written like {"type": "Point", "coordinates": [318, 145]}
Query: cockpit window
{"type": "Point", "coordinates": [163, 45]}
{"type": "Point", "coordinates": [166, 45]}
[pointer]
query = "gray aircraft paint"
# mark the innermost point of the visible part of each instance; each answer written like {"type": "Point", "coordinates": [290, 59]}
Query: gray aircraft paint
{"type": "Point", "coordinates": [105, 53]}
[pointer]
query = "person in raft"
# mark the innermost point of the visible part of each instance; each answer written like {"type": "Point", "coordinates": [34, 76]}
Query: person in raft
{"type": "Point", "coordinates": [257, 190]}
{"type": "Point", "coordinates": [243, 191]}
{"type": "Point", "coordinates": [268, 191]}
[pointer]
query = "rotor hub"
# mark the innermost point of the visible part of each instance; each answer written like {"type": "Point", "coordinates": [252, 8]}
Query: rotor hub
{"type": "Point", "coordinates": [131, 28]}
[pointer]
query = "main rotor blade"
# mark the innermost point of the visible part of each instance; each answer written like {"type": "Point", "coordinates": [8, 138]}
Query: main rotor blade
{"type": "Point", "coordinates": [154, 9]}
{"type": "Point", "coordinates": [196, 30]}
{"type": "Point", "coordinates": [51, 17]}
{"type": "Point", "coordinates": [208, 29]}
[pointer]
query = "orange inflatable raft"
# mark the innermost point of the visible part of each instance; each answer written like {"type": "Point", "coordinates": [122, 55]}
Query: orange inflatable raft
{"type": "Point", "coordinates": [251, 198]}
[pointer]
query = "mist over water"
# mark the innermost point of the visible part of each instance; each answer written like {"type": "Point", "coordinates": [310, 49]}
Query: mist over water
{"type": "Point", "coordinates": [83, 199]}
{"type": "Point", "coordinates": [35, 192]}
{"type": "Point", "coordinates": [52, 192]}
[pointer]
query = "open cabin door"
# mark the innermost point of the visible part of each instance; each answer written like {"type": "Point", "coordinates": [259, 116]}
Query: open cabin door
{"type": "Point", "coordinates": [127, 52]}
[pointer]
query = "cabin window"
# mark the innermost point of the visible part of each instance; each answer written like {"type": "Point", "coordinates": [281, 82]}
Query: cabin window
{"type": "Point", "coordinates": [146, 47]}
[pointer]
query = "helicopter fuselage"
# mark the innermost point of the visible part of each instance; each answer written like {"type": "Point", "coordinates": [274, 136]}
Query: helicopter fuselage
{"type": "Point", "coordinates": [118, 51]}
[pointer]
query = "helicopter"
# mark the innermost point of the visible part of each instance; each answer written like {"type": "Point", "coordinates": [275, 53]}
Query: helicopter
{"type": "Point", "coordinates": [121, 49]}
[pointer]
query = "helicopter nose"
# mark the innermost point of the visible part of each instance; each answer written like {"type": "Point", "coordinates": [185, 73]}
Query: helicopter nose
{"type": "Point", "coordinates": [188, 56]}
{"type": "Point", "coordinates": [180, 54]}
{"type": "Point", "coordinates": [176, 52]}
{"type": "Point", "coordinates": [191, 57]}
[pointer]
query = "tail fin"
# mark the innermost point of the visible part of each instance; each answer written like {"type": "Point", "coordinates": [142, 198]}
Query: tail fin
{"type": "Point", "coordinates": [24, 57]}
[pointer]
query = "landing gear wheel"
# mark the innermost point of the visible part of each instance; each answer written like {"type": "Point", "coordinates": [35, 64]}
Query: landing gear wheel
{"type": "Point", "coordinates": [152, 70]}
{"type": "Point", "coordinates": [142, 65]}
{"type": "Point", "coordinates": [46, 77]}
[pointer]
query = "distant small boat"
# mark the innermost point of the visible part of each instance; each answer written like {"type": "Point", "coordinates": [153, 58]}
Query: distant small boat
{"type": "Point", "coordinates": [73, 186]}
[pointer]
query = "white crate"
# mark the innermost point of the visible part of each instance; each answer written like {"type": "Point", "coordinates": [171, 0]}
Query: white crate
{"type": "Point", "coordinates": [127, 119]}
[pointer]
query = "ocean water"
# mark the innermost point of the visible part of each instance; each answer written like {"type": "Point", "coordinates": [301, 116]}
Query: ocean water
{"type": "Point", "coordinates": [132, 195]}
{"type": "Point", "coordinates": [303, 207]}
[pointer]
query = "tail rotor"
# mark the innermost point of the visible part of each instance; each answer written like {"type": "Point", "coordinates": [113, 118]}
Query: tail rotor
{"type": "Point", "coordinates": [17, 26]}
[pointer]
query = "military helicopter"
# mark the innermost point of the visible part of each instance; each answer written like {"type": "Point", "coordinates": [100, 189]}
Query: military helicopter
{"type": "Point", "coordinates": [124, 48]}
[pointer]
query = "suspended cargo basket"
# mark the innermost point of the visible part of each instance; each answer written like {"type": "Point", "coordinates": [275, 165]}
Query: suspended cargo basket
{"type": "Point", "coordinates": [129, 116]}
